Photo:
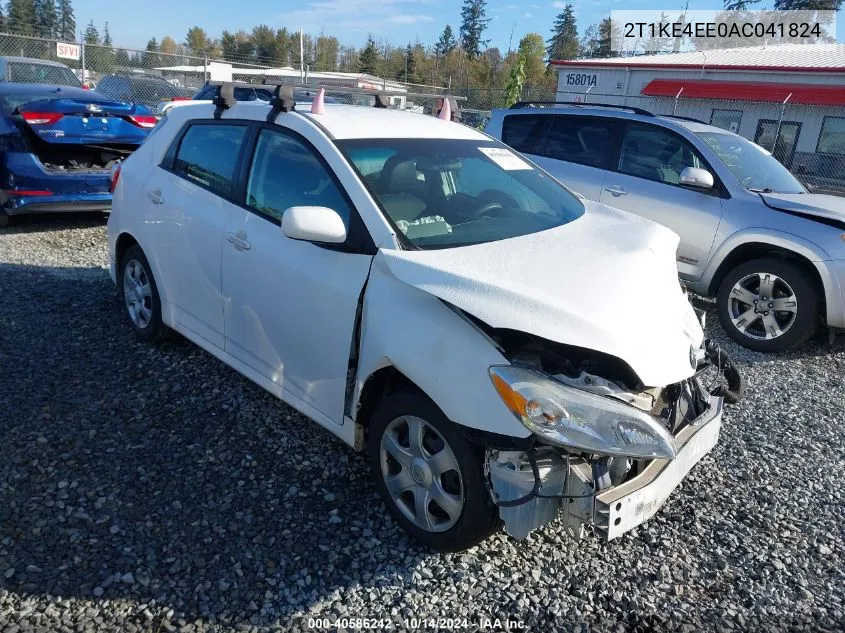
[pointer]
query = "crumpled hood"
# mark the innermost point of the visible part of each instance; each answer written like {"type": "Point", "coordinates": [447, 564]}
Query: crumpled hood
{"type": "Point", "coordinates": [606, 281]}
{"type": "Point", "coordinates": [817, 204]}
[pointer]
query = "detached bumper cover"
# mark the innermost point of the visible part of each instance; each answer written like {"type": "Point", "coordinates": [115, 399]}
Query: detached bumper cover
{"type": "Point", "coordinates": [623, 507]}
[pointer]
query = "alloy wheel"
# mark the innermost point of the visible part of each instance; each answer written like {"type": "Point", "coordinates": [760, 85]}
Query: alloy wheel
{"type": "Point", "coordinates": [762, 306]}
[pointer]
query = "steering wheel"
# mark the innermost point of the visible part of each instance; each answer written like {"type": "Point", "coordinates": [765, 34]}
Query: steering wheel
{"type": "Point", "coordinates": [485, 208]}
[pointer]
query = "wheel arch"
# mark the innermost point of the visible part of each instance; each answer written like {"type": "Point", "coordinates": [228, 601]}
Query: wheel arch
{"type": "Point", "coordinates": [122, 244]}
{"type": "Point", "coordinates": [759, 248]}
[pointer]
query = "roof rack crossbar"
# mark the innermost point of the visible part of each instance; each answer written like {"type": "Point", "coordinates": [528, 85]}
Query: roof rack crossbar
{"type": "Point", "coordinates": [524, 104]}
{"type": "Point", "coordinates": [281, 101]}
{"type": "Point", "coordinates": [360, 91]}
{"type": "Point", "coordinates": [224, 99]}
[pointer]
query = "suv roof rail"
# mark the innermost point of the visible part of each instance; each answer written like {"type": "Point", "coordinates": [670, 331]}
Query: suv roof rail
{"type": "Point", "coordinates": [525, 104]}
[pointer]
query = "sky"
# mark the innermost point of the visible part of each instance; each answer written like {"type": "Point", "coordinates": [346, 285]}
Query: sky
{"type": "Point", "coordinates": [399, 21]}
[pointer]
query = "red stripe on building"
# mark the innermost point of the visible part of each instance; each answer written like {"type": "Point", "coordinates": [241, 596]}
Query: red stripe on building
{"type": "Point", "coordinates": [587, 63]}
{"type": "Point", "coordinates": [806, 94]}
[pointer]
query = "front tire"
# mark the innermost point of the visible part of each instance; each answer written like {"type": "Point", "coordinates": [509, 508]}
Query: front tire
{"type": "Point", "coordinates": [768, 305]}
{"type": "Point", "coordinates": [430, 477]}
{"type": "Point", "coordinates": [4, 219]}
{"type": "Point", "coordinates": [140, 295]}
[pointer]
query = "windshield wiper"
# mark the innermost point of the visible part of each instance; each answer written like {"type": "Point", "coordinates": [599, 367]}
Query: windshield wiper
{"type": "Point", "coordinates": [766, 190]}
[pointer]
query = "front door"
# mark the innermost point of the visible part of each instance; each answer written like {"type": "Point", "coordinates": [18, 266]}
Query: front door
{"type": "Point", "coordinates": [290, 306]}
{"type": "Point", "coordinates": [646, 182]}
{"type": "Point", "coordinates": [787, 139]}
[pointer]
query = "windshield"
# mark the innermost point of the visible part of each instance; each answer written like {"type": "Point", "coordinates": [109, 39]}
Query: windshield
{"type": "Point", "coordinates": [754, 167]}
{"type": "Point", "coordinates": [35, 73]}
{"type": "Point", "coordinates": [441, 193]}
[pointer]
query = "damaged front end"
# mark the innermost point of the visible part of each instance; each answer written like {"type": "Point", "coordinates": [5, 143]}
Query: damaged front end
{"type": "Point", "coordinates": [607, 451]}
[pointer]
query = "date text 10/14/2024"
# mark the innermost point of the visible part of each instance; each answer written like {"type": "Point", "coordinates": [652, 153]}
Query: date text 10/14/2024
{"type": "Point", "coordinates": [412, 623]}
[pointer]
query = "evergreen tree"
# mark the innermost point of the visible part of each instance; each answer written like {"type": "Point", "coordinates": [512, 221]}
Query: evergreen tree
{"type": "Point", "coordinates": [446, 44]}
{"type": "Point", "coordinates": [660, 43]}
{"type": "Point", "coordinates": [91, 34]}
{"type": "Point", "coordinates": [473, 22]}
{"type": "Point", "coordinates": [740, 5]}
{"type": "Point", "coordinates": [564, 41]}
{"type": "Point", "coordinates": [121, 58]}
{"type": "Point", "coordinates": [151, 59]}
{"type": "Point", "coordinates": [45, 17]}
{"type": "Point", "coordinates": [368, 57]}
{"type": "Point", "coordinates": [606, 32]}
{"type": "Point", "coordinates": [21, 15]}
{"type": "Point", "coordinates": [409, 74]}
{"type": "Point", "coordinates": [106, 35]}
{"type": "Point", "coordinates": [197, 41]}
{"type": "Point", "coordinates": [66, 25]}
{"type": "Point", "coordinates": [806, 5]}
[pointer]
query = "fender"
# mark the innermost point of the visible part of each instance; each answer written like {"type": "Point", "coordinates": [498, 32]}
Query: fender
{"type": "Point", "coordinates": [436, 349]}
{"type": "Point", "coordinates": [811, 251]}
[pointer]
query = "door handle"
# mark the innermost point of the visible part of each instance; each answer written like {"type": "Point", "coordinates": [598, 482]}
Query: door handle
{"type": "Point", "coordinates": [239, 240]}
{"type": "Point", "coordinates": [616, 190]}
{"type": "Point", "coordinates": [155, 196]}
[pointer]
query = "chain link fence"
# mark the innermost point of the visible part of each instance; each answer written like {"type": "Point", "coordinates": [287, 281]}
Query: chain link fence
{"type": "Point", "coordinates": [808, 140]}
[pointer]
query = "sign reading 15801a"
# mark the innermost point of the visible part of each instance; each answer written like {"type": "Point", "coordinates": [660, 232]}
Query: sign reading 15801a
{"type": "Point", "coordinates": [581, 79]}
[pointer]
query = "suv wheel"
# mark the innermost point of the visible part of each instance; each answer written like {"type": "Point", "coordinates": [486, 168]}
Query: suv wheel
{"type": "Point", "coordinates": [428, 474]}
{"type": "Point", "coordinates": [140, 295]}
{"type": "Point", "coordinates": [4, 220]}
{"type": "Point", "coordinates": [768, 305]}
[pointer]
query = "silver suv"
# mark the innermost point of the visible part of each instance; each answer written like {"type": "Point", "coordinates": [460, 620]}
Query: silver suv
{"type": "Point", "coordinates": [771, 252]}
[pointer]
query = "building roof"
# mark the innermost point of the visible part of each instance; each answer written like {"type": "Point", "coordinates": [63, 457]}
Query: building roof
{"type": "Point", "coordinates": [828, 58]}
{"type": "Point", "coordinates": [806, 94]}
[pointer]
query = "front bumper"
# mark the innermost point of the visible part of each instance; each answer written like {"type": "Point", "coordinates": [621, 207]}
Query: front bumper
{"type": "Point", "coordinates": [622, 508]}
{"type": "Point", "coordinates": [833, 278]}
{"type": "Point", "coordinates": [557, 484]}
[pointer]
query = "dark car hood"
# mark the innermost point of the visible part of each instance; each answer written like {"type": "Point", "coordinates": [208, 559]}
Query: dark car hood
{"type": "Point", "coordinates": [808, 204]}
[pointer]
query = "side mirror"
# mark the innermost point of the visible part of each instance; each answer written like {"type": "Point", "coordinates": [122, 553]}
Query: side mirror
{"type": "Point", "coordinates": [313, 224]}
{"type": "Point", "coordinates": [695, 177]}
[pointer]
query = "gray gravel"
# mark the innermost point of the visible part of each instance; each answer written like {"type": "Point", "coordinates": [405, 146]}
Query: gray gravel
{"type": "Point", "coordinates": [153, 489]}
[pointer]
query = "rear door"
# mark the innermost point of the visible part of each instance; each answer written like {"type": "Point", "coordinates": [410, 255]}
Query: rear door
{"type": "Point", "coordinates": [190, 200]}
{"type": "Point", "coordinates": [645, 182]}
{"type": "Point", "coordinates": [577, 150]}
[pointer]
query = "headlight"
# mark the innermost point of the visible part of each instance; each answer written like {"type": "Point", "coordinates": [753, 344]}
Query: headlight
{"type": "Point", "coordinates": [571, 417]}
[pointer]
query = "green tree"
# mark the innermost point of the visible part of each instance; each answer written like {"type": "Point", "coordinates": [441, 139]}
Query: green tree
{"type": "Point", "coordinates": [121, 58]}
{"type": "Point", "coordinates": [91, 35]}
{"type": "Point", "coordinates": [368, 57]}
{"type": "Point", "coordinates": [265, 44]}
{"type": "Point", "coordinates": [740, 5]}
{"type": "Point", "coordinates": [660, 43]}
{"type": "Point", "coordinates": [21, 15]}
{"type": "Point", "coordinates": [45, 17]}
{"type": "Point", "coordinates": [564, 41]}
{"type": "Point", "coordinates": [328, 49]}
{"type": "Point", "coordinates": [106, 35]}
{"type": "Point", "coordinates": [808, 5]}
{"type": "Point", "coordinates": [151, 59]}
{"type": "Point", "coordinates": [446, 44]}
{"type": "Point", "coordinates": [532, 50]}
{"type": "Point", "coordinates": [516, 80]}
{"type": "Point", "coordinates": [198, 42]}
{"type": "Point", "coordinates": [168, 45]}
{"type": "Point", "coordinates": [236, 47]}
{"type": "Point", "coordinates": [474, 21]}
{"type": "Point", "coordinates": [66, 24]}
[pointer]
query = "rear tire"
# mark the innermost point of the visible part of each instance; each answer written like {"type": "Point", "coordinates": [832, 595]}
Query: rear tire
{"type": "Point", "coordinates": [140, 295]}
{"type": "Point", "coordinates": [440, 467]}
{"type": "Point", "coordinates": [748, 299]}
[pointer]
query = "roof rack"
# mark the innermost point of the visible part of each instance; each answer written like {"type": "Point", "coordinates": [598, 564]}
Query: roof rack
{"type": "Point", "coordinates": [360, 91]}
{"type": "Point", "coordinates": [525, 104]}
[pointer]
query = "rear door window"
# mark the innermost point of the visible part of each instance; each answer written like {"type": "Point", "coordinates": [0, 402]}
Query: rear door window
{"type": "Point", "coordinates": [525, 132]}
{"type": "Point", "coordinates": [208, 156]}
{"type": "Point", "coordinates": [582, 140]}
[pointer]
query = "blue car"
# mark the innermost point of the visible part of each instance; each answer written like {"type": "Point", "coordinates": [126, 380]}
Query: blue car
{"type": "Point", "coordinates": [58, 144]}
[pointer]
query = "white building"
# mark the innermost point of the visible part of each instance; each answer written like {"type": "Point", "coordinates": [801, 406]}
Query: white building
{"type": "Point", "coordinates": [794, 91]}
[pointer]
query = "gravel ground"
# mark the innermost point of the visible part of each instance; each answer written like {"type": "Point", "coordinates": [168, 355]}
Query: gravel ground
{"type": "Point", "coordinates": [154, 489]}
